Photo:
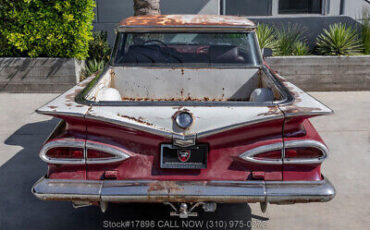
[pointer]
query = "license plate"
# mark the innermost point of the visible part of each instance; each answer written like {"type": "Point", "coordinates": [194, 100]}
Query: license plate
{"type": "Point", "coordinates": [194, 157]}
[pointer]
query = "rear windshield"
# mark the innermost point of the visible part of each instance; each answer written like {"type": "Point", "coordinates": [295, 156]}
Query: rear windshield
{"type": "Point", "coordinates": [186, 48]}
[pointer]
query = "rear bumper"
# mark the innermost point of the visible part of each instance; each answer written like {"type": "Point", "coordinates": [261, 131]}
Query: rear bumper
{"type": "Point", "coordinates": [279, 192]}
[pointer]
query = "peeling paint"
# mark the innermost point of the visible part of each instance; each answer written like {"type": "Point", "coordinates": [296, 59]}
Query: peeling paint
{"type": "Point", "coordinates": [65, 104]}
{"type": "Point", "coordinates": [272, 110]}
{"type": "Point", "coordinates": [303, 104]}
{"type": "Point", "coordinates": [139, 119]}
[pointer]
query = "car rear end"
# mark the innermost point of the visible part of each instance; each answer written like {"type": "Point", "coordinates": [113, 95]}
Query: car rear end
{"type": "Point", "coordinates": [266, 154]}
{"type": "Point", "coordinates": [186, 150]}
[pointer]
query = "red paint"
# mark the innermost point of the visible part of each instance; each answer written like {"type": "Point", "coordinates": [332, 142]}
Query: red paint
{"type": "Point", "coordinates": [223, 162]}
{"type": "Point", "coordinates": [223, 159]}
{"type": "Point", "coordinates": [75, 129]}
{"type": "Point", "coordinates": [72, 172]}
{"type": "Point", "coordinates": [298, 171]}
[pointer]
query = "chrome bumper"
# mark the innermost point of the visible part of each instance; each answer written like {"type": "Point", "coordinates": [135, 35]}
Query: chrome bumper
{"type": "Point", "coordinates": [278, 192]}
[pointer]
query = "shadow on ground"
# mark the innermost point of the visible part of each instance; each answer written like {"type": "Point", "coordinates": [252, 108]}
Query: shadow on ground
{"type": "Point", "coordinates": [19, 209]}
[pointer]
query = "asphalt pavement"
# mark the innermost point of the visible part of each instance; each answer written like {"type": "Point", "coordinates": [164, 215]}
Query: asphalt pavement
{"type": "Point", "coordinates": [347, 133]}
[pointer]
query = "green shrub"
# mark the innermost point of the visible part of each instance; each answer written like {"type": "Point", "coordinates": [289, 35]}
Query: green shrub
{"type": "Point", "coordinates": [266, 36]}
{"type": "Point", "coordinates": [92, 66]}
{"type": "Point", "coordinates": [98, 47]}
{"type": "Point", "coordinates": [39, 28]}
{"type": "Point", "coordinates": [365, 30]}
{"type": "Point", "coordinates": [339, 39]}
{"type": "Point", "coordinates": [300, 49]}
{"type": "Point", "coordinates": [287, 38]}
{"type": "Point", "coordinates": [99, 54]}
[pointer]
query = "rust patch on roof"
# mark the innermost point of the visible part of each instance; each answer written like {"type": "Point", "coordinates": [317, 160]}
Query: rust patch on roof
{"type": "Point", "coordinates": [187, 20]}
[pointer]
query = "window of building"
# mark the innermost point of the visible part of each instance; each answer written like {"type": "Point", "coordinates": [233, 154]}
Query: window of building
{"type": "Point", "coordinates": [246, 7]}
{"type": "Point", "coordinates": [300, 6]}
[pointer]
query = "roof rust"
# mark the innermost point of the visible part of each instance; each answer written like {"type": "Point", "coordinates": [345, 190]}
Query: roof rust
{"type": "Point", "coordinates": [186, 20]}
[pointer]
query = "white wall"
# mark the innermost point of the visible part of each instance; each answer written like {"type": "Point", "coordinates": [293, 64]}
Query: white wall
{"type": "Point", "coordinates": [353, 8]}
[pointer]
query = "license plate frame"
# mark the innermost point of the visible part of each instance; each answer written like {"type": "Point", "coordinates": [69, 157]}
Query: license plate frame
{"type": "Point", "coordinates": [196, 160]}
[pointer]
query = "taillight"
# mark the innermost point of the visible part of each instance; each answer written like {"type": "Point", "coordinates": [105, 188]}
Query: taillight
{"type": "Point", "coordinates": [65, 153]}
{"type": "Point", "coordinates": [294, 152]}
{"type": "Point", "coordinates": [265, 154]}
{"type": "Point", "coordinates": [96, 154]}
{"type": "Point", "coordinates": [273, 155]}
{"type": "Point", "coordinates": [99, 153]}
{"type": "Point", "coordinates": [303, 153]}
{"type": "Point", "coordinates": [72, 151]}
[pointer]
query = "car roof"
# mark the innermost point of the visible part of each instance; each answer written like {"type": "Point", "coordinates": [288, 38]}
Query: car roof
{"type": "Point", "coordinates": [185, 22]}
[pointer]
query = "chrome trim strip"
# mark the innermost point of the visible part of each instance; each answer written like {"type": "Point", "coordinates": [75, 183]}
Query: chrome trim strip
{"type": "Point", "coordinates": [306, 143]}
{"type": "Point", "coordinates": [58, 113]}
{"type": "Point", "coordinates": [119, 153]}
{"type": "Point", "coordinates": [280, 192]}
{"type": "Point", "coordinates": [183, 141]}
{"type": "Point", "coordinates": [72, 143]}
{"type": "Point", "coordinates": [248, 155]}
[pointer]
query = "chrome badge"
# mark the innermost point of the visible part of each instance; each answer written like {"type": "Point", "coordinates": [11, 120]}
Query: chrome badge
{"type": "Point", "coordinates": [183, 155]}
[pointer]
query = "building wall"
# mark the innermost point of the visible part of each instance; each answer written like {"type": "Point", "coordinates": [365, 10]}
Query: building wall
{"type": "Point", "coordinates": [110, 12]}
{"type": "Point", "coordinates": [353, 8]}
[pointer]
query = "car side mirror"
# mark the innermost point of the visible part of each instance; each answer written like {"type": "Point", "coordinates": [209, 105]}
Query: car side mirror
{"type": "Point", "coordinates": [266, 52]}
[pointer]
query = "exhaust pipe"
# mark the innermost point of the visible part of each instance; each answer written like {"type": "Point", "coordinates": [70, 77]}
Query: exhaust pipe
{"type": "Point", "coordinates": [81, 204]}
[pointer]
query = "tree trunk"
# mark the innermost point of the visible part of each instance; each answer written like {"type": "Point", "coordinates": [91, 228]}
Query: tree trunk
{"type": "Point", "coordinates": [146, 7]}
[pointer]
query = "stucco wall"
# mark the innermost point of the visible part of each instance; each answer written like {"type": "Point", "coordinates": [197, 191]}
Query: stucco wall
{"type": "Point", "coordinates": [41, 75]}
{"type": "Point", "coordinates": [324, 73]}
{"type": "Point", "coordinates": [353, 8]}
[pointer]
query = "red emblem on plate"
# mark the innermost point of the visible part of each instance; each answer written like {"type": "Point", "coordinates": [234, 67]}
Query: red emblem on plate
{"type": "Point", "coordinates": [183, 155]}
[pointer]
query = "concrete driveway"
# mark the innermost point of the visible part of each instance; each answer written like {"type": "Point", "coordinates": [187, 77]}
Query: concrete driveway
{"type": "Point", "coordinates": [347, 134]}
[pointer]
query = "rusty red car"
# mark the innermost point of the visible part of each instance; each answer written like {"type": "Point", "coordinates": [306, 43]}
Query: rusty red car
{"type": "Point", "coordinates": [187, 114]}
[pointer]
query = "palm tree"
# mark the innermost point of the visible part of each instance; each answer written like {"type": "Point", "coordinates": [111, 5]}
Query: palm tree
{"type": "Point", "coordinates": [146, 7]}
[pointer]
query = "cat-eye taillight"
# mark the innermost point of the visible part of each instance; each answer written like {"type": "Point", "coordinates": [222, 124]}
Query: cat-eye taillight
{"type": "Point", "coordinates": [289, 152]}
{"type": "Point", "coordinates": [99, 153]}
{"type": "Point", "coordinates": [75, 151]}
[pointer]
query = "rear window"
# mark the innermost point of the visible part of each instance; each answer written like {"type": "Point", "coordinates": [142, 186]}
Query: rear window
{"type": "Point", "coordinates": [186, 49]}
